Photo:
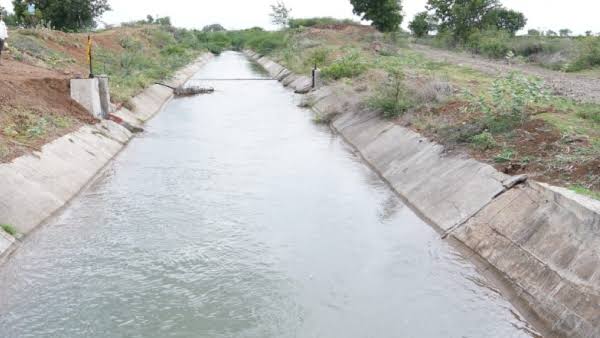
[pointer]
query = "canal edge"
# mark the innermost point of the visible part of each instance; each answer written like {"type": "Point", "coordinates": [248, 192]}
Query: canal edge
{"type": "Point", "coordinates": [512, 227]}
{"type": "Point", "coordinates": [38, 186]}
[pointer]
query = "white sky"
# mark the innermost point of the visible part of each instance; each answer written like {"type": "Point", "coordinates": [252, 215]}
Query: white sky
{"type": "Point", "coordinates": [578, 15]}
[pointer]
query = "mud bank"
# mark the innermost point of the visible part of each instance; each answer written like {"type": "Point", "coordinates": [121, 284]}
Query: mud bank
{"type": "Point", "coordinates": [542, 240]}
{"type": "Point", "coordinates": [35, 186]}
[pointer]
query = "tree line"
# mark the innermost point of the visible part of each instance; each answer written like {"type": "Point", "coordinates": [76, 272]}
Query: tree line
{"type": "Point", "coordinates": [66, 15]}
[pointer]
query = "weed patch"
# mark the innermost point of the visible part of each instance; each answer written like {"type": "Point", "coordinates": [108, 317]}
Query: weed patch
{"type": "Point", "coordinates": [9, 229]}
{"type": "Point", "coordinates": [392, 99]}
{"type": "Point", "coordinates": [484, 141]}
{"type": "Point", "coordinates": [348, 66]}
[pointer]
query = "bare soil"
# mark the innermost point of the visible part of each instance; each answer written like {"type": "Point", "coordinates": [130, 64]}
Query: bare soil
{"type": "Point", "coordinates": [536, 148]}
{"type": "Point", "coordinates": [28, 94]}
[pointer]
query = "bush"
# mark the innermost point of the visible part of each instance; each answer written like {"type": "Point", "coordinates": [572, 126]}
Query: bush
{"type": "Point", "coordinates": [393, 99]}
{"type": "Point", "coordinates": [319, 57]}
{"type": "Point", "coordinates": [588, 54]}
{"type": "Point", "coordinates": [348, 66]}
{"type": "Point", "coordinates": [506, 104]}
{"type": "Point", "coordinates": [265, 42]}
{"type": "Point", "coordinates": [324, 21]}
{"type": "Point", "coordinates": [491, 43]}
{"type": "Point", "coordinates": [484, 141]}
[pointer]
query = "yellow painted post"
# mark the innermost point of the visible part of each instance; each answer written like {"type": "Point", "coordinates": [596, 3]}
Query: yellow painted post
{"type": "Point", "coordinates": [89, 56]}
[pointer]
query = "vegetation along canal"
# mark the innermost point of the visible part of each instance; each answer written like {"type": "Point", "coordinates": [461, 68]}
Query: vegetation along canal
{"type": "Point", "coordinates": [235, 215]}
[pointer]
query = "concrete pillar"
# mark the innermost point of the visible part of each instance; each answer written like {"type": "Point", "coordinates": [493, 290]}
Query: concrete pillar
{"type": "Point", "coordinates": [87, 93]}
{"type": "Point", "coordinates": [316, 74]}
{"type": "Point", "coordinates": [104, 91]}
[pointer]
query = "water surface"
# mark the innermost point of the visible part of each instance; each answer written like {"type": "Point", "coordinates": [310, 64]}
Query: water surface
{"type": "Point", "coordinates": [234, 215]}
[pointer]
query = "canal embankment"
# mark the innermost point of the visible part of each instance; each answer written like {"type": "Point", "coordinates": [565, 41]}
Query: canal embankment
{"type": "Point", "coordinates": [541, 239]}
{"type": "Point", "coordinates": [37, 185]}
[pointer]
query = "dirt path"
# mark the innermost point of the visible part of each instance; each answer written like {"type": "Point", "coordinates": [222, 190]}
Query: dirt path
{"type": "Point", "coordinates": [578, 87]}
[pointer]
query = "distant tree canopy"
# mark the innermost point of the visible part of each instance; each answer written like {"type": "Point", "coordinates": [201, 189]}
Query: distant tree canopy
{"type": "Point", "coordinates": [214, 28]}
{"type": "Point", "coordinates": [463, 17]}
{"type": "Point", "coordinates": [70, 15]}
{"type": "Point", "coordinates": [505, 19]}
{"type": "Point", "coordinates": [280, 14]}
{"type": "Point", "coordinates": [534, 32]}
{"type": "Point", "coordinates": [386, 15]}
{"type": "Point", "coordinates": [565, 32]}
{"type": "Point", "coordinates": [420, 25]}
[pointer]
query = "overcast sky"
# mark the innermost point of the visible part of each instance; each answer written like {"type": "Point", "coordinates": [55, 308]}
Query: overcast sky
{"type": "Point", "coordinates": [578, 15]}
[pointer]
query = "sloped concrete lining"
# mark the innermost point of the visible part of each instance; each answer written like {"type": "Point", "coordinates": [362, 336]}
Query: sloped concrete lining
{"type": "Point", "coordinates": [547, 242]}
{"type": "Point", "coordinates": [33, 187]}
{"type": "Point", "coordinates": [299, 83]}
{"type": "Point", "coordinates": [87, 93]}
{"type": "Point", "coordinates": [6, 242]}
{"type": "Point", "coordinates": [543, 240]}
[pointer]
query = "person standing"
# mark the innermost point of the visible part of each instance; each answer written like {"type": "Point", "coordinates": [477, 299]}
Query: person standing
{"type": "Point", "coordinates": [3, 36]}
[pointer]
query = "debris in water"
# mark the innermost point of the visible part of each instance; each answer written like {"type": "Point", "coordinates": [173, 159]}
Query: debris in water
{"type": "Point", "coordinates": [189, 91]}
{"type": "Point", "coordinates": [194, 90]}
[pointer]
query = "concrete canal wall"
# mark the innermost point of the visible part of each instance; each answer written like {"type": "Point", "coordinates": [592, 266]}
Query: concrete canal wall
{"type": "Point", "coordinates": [33, 187]}
{"type": "Point", "coordinates": [545, 241]}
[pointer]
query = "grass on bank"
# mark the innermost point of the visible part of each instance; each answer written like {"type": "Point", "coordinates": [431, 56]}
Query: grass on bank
{"type": "Point", "coordinates": [9, 229]}
{"type": "Point", "coordinates": [510, 122]}
{"type": "Point", "coordinates": [134, 56]}
{"type": "Point", "coordinates": [570, 54]}
{"type": "Point", "coordinates": [452, 104]}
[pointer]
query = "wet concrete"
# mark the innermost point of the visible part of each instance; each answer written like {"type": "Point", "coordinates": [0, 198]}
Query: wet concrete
{"type": "Point", "coordinates": [236, 216]}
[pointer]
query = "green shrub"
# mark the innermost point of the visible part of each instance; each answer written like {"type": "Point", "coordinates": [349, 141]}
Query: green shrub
{"type": "Point", "coordinates": [593, 116]}
{"type": "Point", "coordinates": [443, 39]}
{"type": "Point", "coordinates": [319, 57]}
{"type": "Point", "coordinates": [9, 229]}
{"type": "Point", "coordinates": [264, 42]}
{"type": "Point", "coordinates": [484, 141]}
{"type": "Point", "coordinates": [491, 43]}
{"type": "Point", "coordinates": [588, 54]}
{"type": "Point", "coordinates": [506, 104]}
{"type": "Point", "coordinates": [392, 99]}
{"type": "Point", "coordinates": [348, 66]}
{"type": "Point", "coordinates": [324, 21]}
{"type": "Point", "coordinates": [506, 155]}
{"type": "Point", "coordinates": [129, 42]}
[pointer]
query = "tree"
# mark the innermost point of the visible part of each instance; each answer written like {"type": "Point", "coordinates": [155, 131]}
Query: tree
{"type": "Point", "coordinates": [565, 32]}
{"type": "Point", "coordinates": [280, 14]}
{"type": "Point", "coordinates": [213, 28]}
{"type": "Point", "coordinates": [150, 19]}
{"type": "Point", "coordinates": [164, 21]}
{"type": "Point", "coordinates": [534, 32]}
{"type": "Point", "coordinates": [504, 19]}
{"type": "Point", "coordinates": [460, 17]}
{"type": "Point", "coordinates": [386, 15]}
{"type": "Point", "coordinates": [420, 26]}
{"type": "Point", "coordinates": [551, 33]}
{"type": "Point", "coordinates": [64, 14]}
{"type": "Point", "coordinates": [589, 33]}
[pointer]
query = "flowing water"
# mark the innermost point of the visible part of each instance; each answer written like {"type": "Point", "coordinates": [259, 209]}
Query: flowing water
{"type": "Point", "coordinates": [234, 215]}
